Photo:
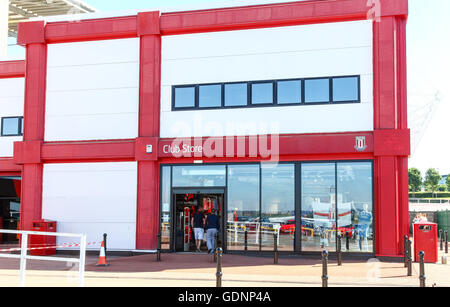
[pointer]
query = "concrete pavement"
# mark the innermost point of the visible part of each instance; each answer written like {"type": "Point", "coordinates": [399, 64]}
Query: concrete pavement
{"type": "Point", "coordinates": [198, 270]}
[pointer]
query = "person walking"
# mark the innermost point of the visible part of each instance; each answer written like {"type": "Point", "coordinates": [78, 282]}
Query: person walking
{"type": "Point", "coordinates": [198, 222]}
{"type": "Point", "coordinates": [212, 225]}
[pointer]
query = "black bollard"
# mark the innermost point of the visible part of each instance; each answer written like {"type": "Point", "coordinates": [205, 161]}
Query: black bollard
{"type": "Point", "coordinates": [405, 248]}
{"type": "Point", "coordinates": [245, 239]}
{"type": "Point", "coordinates": [275, 248]}
{"type": "Point", "coordinates": [422, 270]}
{"type": "Point", "coordinates": [409, 267]}
{"type": "Point", "coordinates": [215, 247]}
{"type": "Point", "coordinates": [441, 240]}
{"type": "Point", "coordinates": [324, 269]}
{"type": "Point", "coordinates": [219, 252]}
{"type": "Point", "coordinates": [446, 241]}
{"type": "Point", "coordinates": [347, 243]}
{"type": "Point", "coordinates": [339, 249]}
{"type": "Point", "coordinates": [104, 240]}
{"type": "Point", "coordinates": [158, 251]}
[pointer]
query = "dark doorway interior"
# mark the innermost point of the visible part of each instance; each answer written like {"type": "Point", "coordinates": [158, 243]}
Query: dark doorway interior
{"type": "Point", "coordinates": [186, 204]}
{"type": "Point", "coordinates": [9, 208]}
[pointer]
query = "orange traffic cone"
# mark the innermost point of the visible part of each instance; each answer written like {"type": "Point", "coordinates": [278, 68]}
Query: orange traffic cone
{"type": "Point", "coordinates": [102, 257]}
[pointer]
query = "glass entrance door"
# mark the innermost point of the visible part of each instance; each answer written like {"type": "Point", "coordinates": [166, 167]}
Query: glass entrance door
{"type": "Point", "coordinates": [186, 203]}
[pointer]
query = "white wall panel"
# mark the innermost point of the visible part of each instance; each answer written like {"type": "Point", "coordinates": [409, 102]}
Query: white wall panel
{"type": "Point", "coordinates": [11, 105]}
{"type": "Point", "coordinates": [320, 50]}
{"type": "Point", "coordinates": [93, 198]}
{"type": "Point", "coordinates": [92, 90]}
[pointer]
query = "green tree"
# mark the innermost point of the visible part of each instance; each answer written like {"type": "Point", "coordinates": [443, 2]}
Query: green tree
{"type": "Point", "coordinates": [432, 178]}
{"type": "Point", "coordinates": [448, 182]}
{"type": "Point", "coordinates": [415, 180]}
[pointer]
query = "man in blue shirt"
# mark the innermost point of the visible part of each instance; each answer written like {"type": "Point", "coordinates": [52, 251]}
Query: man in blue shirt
{"type": "Point", "coordinates": [212, 226]}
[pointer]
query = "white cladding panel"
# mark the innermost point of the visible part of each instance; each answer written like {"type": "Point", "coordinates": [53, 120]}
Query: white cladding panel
{"type": "Point", "coordinates": [93, 198]}
{"type": "Point", "coordinates": [92, 90]}
{"type": "Point", "coordinates": [320, 50]}
{"type": "Point", "coordinates": [12, 91]}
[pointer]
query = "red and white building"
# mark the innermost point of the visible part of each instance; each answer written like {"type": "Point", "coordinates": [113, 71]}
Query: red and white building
{"type": "Point", "coordinates": [128, 120]}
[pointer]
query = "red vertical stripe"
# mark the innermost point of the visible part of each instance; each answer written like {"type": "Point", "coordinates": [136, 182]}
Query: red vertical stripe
{"type": "Point", "coordinates": [34, 114]}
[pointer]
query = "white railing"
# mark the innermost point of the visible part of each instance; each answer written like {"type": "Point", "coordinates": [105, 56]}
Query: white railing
{"type": "Point", "coordinates": [24, 252]}
{"type": "Point", "coordinates": [429, 201]}
{"type": "Point", "coordinates": [241, 227]}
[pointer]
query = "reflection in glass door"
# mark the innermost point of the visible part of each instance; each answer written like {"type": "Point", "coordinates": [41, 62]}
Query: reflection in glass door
{"type": "Point", "coordinates": [318, 230]}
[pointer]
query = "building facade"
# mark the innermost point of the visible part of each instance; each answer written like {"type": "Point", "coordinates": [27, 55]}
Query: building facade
{"type": "Point", "coordinates": [288, 119]}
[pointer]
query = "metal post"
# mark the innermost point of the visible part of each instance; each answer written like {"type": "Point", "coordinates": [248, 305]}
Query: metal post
{"type": "Point", "coordinates": [245, 239]}
{"type": "Point", "coordinates": [446, 241]}
{"type": "Point", "coordinates": [158, 251]}
{"type": "Point", "coordinates": [441, 240]}
{"type": "Point", "coordinates": [23, 258]}
{"type": "Point", "coordinates": [409, 259]}
{"type": "Point", "coordinates": [219, 268]}
{"type": "Point", "coordinates": [339, 249]}
{"type": "Point", "coordinates": [405, 248]}
{"type": "Point", "coordinates": [347, 243]}
{"type": "Point", "coordinates": [215, 247]}
{"type": "Point", "coordinates": [275, 248]}
{"type": "Point", "coordinates": [82, 262]}
{"type": "Point", "coordinates": [422, 270]}
{"type": "Point", "coordinates": [324, 269]}
{"type": "Point", "coordinates": [104, 240]}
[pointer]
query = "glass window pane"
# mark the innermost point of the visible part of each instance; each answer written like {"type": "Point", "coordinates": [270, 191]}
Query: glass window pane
{"type": "Point", "coordinates": [318, 207]}
{"type": "Point", "coordinates": [355, 207]}
{"type": "Point", "coordinates": [199, 176]}
{"type": "Point", "coordinates": [345, 89]}
{"type": "Point", "coordinates": [262, 93]}
{"type": "Point", "coordinates": [317, 90]}
{"type": "Point", "coordinates": [10, 126]}
{"type": "Point", "coordinates": [236, 94]}
{"type": "Point", "coordinates": [289, 92]}
{"type": "Point", "coordinates": [184, 97]}
{"type": "Point", "coordinates": [243, 207]}
{"type": "Point", "coordinates": [278, 206]}
{"type": "Point", "coordinates": [165, 207]}
{"type": "Point", "coordinates": [210, 96]}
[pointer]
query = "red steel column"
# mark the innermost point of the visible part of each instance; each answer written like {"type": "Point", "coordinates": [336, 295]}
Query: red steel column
{"type": "Point", "coordinates": [31, 34]}
{"type": "Point", "coordinates": [391, 169]}
{"type": "Point", "coordinates": [149, 117]}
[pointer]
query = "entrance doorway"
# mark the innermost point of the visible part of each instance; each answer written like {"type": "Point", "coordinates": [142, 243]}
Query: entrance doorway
{"type": "Point", "coordinates": [9, 208]}
{"type": "Point", "coordinates": [186, 203]}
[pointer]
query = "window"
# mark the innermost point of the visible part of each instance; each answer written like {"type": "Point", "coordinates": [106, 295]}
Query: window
{"type": "Point", "coordinates": [317, 90]}
{"type": "Point", "coordinates": [262, 93]}
{"type": "Point", "coordinates": [266, 93]}
{"type": "Point", "coordinates": [199, 176]}
{"type": "Point", "coordinates": [318, 207]}
{"type": "Point", "coordinates": [210, 96]}
{"type": "Point", "coordinates": [184, 97]}
{"type": "Point", "coordinates": [354, 204]}
{"type": "Point", "coordinates": [345, 89]}
{"type": "Point", "coordinates": [12, 126]}
{"type": "Point", "coordinates": [278, 206]}
{"type": "Point", "coordinates": [289, 92]}
{"type": "Point", "coordinates": [236, 94]}
{"type": "Point", "coordinates": [243, 207]}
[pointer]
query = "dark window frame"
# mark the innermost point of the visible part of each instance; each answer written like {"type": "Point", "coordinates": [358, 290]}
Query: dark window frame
{"type": "Point", "coordinates": [275, 94]}
{"type": "Point", "coordinates": [19, 128]}
{"type": "Point", "coordinates": [298, 249]}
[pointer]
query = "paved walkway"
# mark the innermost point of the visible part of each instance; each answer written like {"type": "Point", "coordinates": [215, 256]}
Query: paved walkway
{"type": "Point", "coordinates": [194, 270]}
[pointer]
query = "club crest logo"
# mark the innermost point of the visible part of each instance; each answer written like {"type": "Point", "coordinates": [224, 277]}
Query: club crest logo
{"type": "Point", "coordinates": [361, 144]}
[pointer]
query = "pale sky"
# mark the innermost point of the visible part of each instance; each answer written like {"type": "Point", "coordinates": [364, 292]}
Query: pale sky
{"type": "Point", "coordinates": [428, 45]}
